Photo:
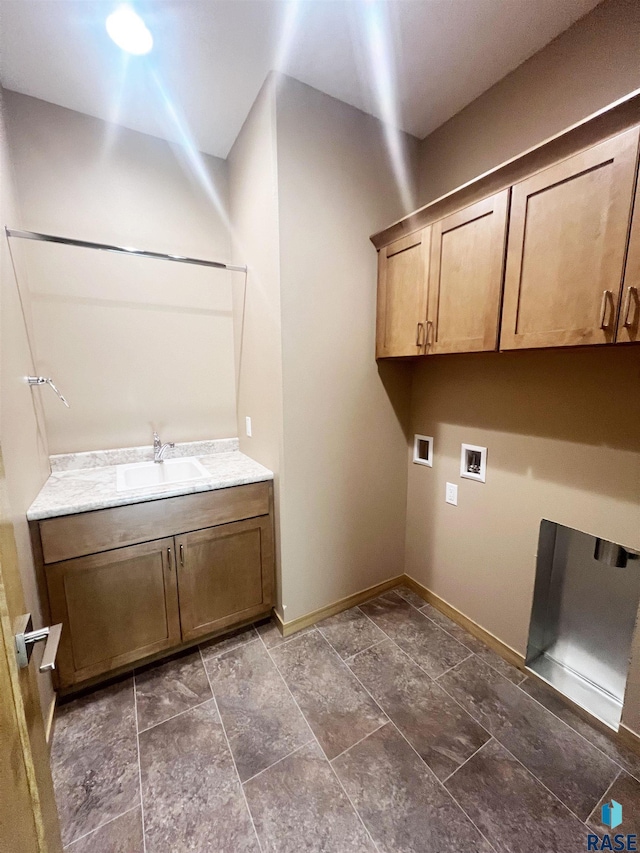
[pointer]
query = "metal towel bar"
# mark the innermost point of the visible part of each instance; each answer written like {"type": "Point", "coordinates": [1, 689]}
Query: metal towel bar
{"type": "Point", "coordinates": [124, 250]}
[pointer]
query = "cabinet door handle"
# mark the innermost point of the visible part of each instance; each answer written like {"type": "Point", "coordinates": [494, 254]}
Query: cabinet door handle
{"type": "Point", "coordinates": [182, 555]}
{"type": "Point", "coordinates": [170, 559]}
{"type": "Point", "coordinates": [631, 292]}
{"type": "Point", "coordinates": [419, 331]}
{"type": "Point", "coordinates": [428, 340]}
{"type": "Point", "coordinates": [603, 309]}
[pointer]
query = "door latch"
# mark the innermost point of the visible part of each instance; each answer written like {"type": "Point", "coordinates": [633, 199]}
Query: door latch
{"type": "Point", "coordinates": [26, 638]}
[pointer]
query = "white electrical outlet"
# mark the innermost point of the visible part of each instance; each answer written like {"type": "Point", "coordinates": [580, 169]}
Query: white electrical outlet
{"type": "Point", "coordinates": [451, 494]}
{"type": "Point", "coordinates": [247, 426]}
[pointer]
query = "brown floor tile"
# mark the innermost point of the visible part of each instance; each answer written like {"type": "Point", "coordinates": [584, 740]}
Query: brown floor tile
{"type": "Point", "coordinates": [626, 791]}
{"type": "Point", "coordinates": [94, 759]}
{"type": "Point", "coordinates": [337, 707]}
{"type": "Point", "coordinates": [271, 636]}
{"type": "Point", "coordinates": [500, 665]}
{"type": "Point", "coordinates": [261, 719]}
{"type": "Point", "coordinates": [165, 689]}
{"type": "Point", "coordinates": [431, 647]}
{"type": "Point", "coordinates": [571, 768]}
{"type": "Point", "coordinates": [409, 595]}
{"type": "Point", "coordinates": [191, 794]}
{"type": "Point", "coordinates": [616, 751]}
{"type": "Point", "coordinates": [350, 632]}
{"type": "Point", "coordinates": [451, 627]}
{"type": "Point", "coordinates": [122, 835]}
{"type": "Point", "coordinates": [226, 642]}
{"type": "Point", "coordinates": [403, 806]}
{"type": "Point", "coordinates": [436, 726]}
{"type": "Point", "coordinates": [298, 806]}
{"type": "Point", "coordinates": [511, 808]}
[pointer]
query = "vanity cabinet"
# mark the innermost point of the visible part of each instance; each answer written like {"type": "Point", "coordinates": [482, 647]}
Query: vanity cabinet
{"type": "Point", "coordinates": [402, 296]}
{"type": "Point", "coordinates": [130, 583]}
{"type": "Point", "coordinates": [206, 561]}
{"type": "Point", "coordinates": [465, 277]}
{"type": "Point", "coordinates": [116, 608]}
{"type": "Point", "coordinates": [566, 251]}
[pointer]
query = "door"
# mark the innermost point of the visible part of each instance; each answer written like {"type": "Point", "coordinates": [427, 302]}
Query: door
{"type": "Point", "coordinates": [28, 816]}
{"type": "Point", "coordinates": [116, 607]}
{"type": "Point", "coordinates": [402, 296]}
{"type": "Point", "coordinates": [465, 277]}
{"type": "Point", "coordinates": [225, 575]}
{"type": "Point", "coordinates": [566, 247]}
{"type": "Point", "coordinates": [629, 319]}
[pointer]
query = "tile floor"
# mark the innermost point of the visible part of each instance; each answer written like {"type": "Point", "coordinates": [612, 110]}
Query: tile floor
{"type": "Point", "coordinates": [386, 728]}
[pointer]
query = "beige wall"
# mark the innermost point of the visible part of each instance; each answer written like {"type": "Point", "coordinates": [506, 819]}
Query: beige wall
{"type": "Point", "coordinates": [133, 343]}
{"type": "Point", "coordinates": [344, 487]}
{"type": "Point", "coordinates": [309, 181]}
{"type": "Point", "coordinates": [22, 439]}
{"type": "Point", "coordinates": [561, 427]}
{"type": "Point", "coordinates": [588, 66]}
{"type": "Point", "coordinates": [253, 193]}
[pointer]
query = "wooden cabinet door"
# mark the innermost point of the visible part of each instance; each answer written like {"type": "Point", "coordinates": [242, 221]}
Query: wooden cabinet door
{"type": "Point", "coordinates": [566, 247]}
{"type": "Point", "coordinates": [115, 607]}
{"type": "Point", "coordinates": [465, 277]}
{"type": "Point", "coordinates": [629, 319]}
{"type": "Point", "coordinates": [225, 575]}
{"type": "Point", "coordinates": [402, 296]}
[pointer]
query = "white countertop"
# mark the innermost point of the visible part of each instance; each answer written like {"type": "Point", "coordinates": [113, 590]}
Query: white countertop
{"type": "Point", "coordinates": [74, 486]}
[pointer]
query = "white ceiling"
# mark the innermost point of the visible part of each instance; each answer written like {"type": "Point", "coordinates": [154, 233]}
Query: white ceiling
{"type": "Point", "coordinates": [210, 57]}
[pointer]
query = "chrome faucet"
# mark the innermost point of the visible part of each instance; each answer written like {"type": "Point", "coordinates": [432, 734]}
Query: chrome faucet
{"type": "Point", "coordinates": [159, 449]}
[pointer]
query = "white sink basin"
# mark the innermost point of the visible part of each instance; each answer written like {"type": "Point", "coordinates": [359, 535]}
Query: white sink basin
{"type": "Point", "coordinates": [151, 475]}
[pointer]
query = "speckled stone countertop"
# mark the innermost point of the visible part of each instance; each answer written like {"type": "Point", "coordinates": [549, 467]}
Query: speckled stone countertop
{"type": "Point", "coordinates": [81, 482]}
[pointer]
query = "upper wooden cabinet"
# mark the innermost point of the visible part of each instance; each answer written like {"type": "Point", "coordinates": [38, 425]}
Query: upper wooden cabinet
{"type": "Point", "coordinates": [566, 248]}
{"type": "Point", "coordinates": [629, 317]}
{"type": "Point", "coordinates": [446, 283]}
{"type": "Point", "coordinates": [402, 296]}
{"type": "Point", "coordinates": [465, 277]}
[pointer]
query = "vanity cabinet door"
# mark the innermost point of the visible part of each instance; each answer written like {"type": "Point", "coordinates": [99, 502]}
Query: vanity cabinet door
{"type": "Point", "coordinates": [465, 277]}
{"type": "Point", "coordinates": [402, 296]}
{"type": "Point", "coordinates": [566, 248]}
{"type": "Point", "coordinates": [115, 607]}
{"type": "Point", "coordinates": [225, 575]}
{"type": "Point", "coordinates": [629, 319]}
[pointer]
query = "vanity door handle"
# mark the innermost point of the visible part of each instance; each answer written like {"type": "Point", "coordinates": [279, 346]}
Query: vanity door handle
{"type": "Point", "coordinates": [182, 555]}
{"type": "Point", "coordinates": [419, 331]}
{"type": "Point", "coordinates": [169, 558]}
